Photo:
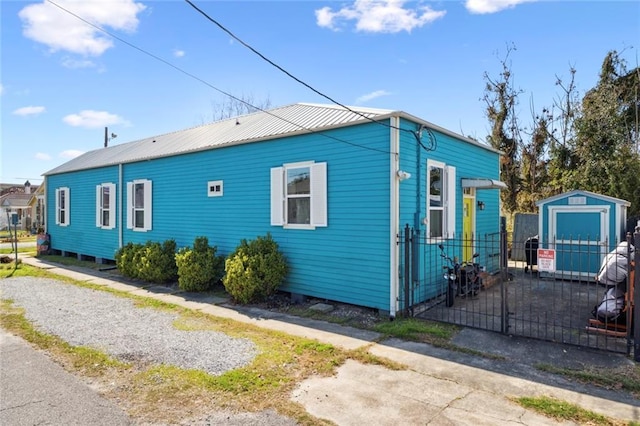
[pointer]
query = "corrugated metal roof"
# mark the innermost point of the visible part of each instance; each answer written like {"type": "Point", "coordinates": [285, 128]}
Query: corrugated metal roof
{"type": "Point", "coordinates": [301, 117]}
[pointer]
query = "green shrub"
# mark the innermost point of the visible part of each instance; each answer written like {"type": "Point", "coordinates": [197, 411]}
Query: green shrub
{"type": "Point", "coordinates": [199, 268]}
{"type": "Point", "coordinates": [254, 270]}
{"type": "Point", "coordinates": [125, 259]}
{"type": "Point", "coordinates": [157, 263]}
{"type": "Point", "coordinates": [152, 262]}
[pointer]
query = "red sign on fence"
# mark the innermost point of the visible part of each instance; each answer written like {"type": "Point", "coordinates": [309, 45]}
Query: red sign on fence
{"type": "Point", "coordinates": [547, 260]}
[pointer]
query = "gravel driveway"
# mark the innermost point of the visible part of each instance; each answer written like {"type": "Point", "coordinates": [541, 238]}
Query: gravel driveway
{"type": "Point", "coordinates": [98, 319]}
{"type": "Point", "coordinates": [86, 317]}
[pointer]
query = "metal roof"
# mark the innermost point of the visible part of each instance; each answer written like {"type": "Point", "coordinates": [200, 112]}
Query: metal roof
{"type": "Point", "coordinates": [262, 125]}
{"type": "Point", "coordinates": [288, 120]}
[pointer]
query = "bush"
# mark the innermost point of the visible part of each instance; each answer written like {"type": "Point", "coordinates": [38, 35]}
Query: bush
{"type": "Point", "coordinates": [157, 262]}
{"type": "Point", "coordinates": [255, 270]}
{"type": "Point", "coordinates": [125, 259]}
{"type": "Point", "coordinates": [199, 268]}
{"type": "Point", "coordinates": [152, 262]}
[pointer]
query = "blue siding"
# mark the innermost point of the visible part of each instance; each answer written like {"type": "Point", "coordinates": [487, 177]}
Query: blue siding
{"type": "Point", "coordinates": [347, 261]}
{"type": "Point", "coordinates": [470, 161]}
{"type": "Point", "coordinates": [81, 236]}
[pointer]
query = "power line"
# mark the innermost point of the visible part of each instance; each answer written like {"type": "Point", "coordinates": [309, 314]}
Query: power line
{"type": "Point", "coordinates": [231, 34]}
{"type": "Point", "coordinates": [212, 86]}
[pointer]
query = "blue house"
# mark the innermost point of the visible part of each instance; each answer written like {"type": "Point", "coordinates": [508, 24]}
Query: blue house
{"type": "Point", "coordinates": [334, 186]}
{"type": "Point", "coordinates": [582, 227]}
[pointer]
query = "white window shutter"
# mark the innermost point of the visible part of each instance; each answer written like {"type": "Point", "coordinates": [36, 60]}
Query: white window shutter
{"type": "Point", "coordinates": [98, 206]}
{"type": "Point", "coordinates": [130, 205]}
{"type": "Point", "coordinates": [451, 202]}
{"type": "Point", "coordinates": [112, 206]}
{"type": "Point", "coordinates": [148, 205]}
{"type": "Point", "coordinates": [319, 194]}
{"type": "Point", "coordinates": [67, 207]}
{"type": "Point", "coordinates": [57, 206]}
{"type": "Point", "coordinates": [277, 196]}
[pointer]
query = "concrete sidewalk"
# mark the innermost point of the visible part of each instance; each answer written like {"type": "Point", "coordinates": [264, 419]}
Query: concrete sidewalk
{"type": "Point", "coordinates": [439, 387]}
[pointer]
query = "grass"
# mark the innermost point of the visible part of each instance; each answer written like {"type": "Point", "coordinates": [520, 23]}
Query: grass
{"type": "Point", "coordinates": [626, 377]}
{"type": "Point", "coordinates": [416, 330]}
{"type": "Point", "coordinates": [564, 411]}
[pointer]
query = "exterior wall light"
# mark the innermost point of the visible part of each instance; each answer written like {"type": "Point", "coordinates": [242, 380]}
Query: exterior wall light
{"type": "Point", "coordinates": [402, 175]}
{"type": "Point", "coordinates": [480, 205]}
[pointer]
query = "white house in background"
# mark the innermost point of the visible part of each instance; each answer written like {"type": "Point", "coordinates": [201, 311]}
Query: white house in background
{"type": "Point", "coordinates": [15, 199]}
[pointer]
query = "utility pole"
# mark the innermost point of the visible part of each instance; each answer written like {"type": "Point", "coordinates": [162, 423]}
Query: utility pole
{"type": "Point", "coordinates": [107, 138]}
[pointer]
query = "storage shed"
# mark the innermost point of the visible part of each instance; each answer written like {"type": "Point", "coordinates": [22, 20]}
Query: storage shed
{"type": "Point", "coordinates": [582, 227]}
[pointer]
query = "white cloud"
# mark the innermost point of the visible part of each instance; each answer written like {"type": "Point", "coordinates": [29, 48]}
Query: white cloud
{"type": "Point", "coordinates": [42, 156]}
{"type": "Point", "coordinates": [29, 110]}
{"type": "Point", "coordinates": [178, 53]}
{"type": "Point", "coordinates": [59, 30]}
{"type": "Point", "coordinates": [372, 95]}
{"type": "Point", "coordinates": [93, 119]}
{"type": "Point", "coordinates": [70, 153]}
{"type": "Point", "coordinates": [77, 63]}
{"type": "Point", "coordinates": [492, 6]}
{"type": "Point", "coordinates": [378, 16]}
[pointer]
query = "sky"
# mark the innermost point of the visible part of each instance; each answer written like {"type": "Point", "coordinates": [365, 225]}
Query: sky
{"type": "Point", "coordinates": [68, 69]}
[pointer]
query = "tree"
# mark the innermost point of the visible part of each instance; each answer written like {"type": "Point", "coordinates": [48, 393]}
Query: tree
{"type": "Point", "coordinates": [534, 172]}
{"type": "Point", "coordinates": [234, 107]}
{"type": "Point", "coordinates": [501, 99]}
{"type": "Point", "coordinates": [562, 159]}
{"type": "Point", "coordinates": [606, 135]}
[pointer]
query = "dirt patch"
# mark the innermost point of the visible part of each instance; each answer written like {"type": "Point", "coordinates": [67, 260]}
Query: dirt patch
{"type": "Point", "coordinates": [340, 313]}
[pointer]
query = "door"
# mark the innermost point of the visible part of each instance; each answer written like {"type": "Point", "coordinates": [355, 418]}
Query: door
{"type": "Point", "coordinates": [580, 236]}
{"type": "Point", "coordinates": [468, 223]}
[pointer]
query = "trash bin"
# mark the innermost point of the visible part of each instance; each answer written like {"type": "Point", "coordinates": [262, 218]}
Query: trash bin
{"type": "Point", "coordinates": [531, 252]}
{"type": "Point", "coordinates": [43, 242]}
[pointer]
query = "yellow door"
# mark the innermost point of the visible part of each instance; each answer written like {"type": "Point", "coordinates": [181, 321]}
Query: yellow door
{"type": "Point", "coordinates": [467, 228]}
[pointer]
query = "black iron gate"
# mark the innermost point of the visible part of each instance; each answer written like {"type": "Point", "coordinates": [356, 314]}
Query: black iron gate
{"type": "Point", "coordinates": [515, 297]}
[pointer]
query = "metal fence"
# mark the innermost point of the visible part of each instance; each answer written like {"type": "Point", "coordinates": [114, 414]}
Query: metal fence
{"type": "Point", "coordinates": [552, 298]}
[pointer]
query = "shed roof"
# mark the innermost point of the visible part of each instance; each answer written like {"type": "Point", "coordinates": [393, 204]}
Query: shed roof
{"type": "Point", "coordinates": [288, 120]}
{"type": "Point", "coordinates": [587, 193]}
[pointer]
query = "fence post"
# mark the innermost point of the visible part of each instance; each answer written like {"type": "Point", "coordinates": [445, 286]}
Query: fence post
{"type": "Point", "coordinates": [636, 296]}
{"type": "Point", "coordinates": [407, 267]}
{"type": "Point", "coordinates": [504, 275]}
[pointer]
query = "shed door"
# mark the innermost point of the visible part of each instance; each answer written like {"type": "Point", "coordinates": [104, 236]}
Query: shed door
{"type": "Point", "coordinates": [580, 235]}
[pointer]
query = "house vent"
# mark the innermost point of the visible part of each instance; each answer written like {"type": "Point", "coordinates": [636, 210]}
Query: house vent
{"type": "Point", "coordinates": [214, 188]}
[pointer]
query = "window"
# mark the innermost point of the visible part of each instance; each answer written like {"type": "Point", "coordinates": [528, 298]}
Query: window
{"type": "Point", "coordinates": [441, 200]}
{"type": "Point", "coordinates": [106, 206]}
{"type": "Point", "coordinates": [62, 206]}
{"type": "Point", "coordinates": [214, 188]}
{"type": "Point", "coordinates": [139, 205]}
{"type": "Point", "coordinates": [299, 195]}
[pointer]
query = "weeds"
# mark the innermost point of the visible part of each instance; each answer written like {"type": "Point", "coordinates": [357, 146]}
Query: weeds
{"type": "Point", "coordinates": [564, 411]}
{"type": "Point", "coordinates": [626, 378]}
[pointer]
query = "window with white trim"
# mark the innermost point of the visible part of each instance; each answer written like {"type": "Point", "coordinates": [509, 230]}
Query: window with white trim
{"type": "Point", "coordinates": [106, 206]}
{"type": "Point", "coordinates": [441, 200]}
{"type": "Point", "coordinates": [299, 195]}
{"type": "Point", "coordinates": [215, 188]}
{"type": "Point", "coordinates": [62, 206]}
{"type": "Point", "coordinates": [139, 205]}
